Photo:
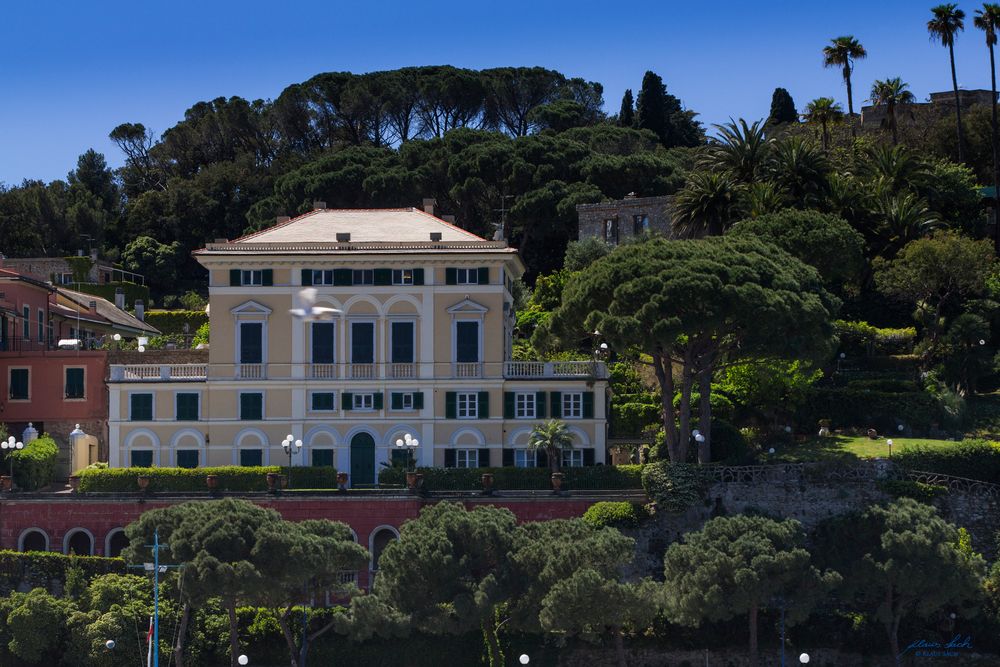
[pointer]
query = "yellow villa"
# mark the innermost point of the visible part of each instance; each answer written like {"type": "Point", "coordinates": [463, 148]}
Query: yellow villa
{"type": "Point", "coordinates": [419, 342]}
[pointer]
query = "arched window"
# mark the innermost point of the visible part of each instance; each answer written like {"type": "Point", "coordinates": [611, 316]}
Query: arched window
{"type": "Point", "coordinates": [380, 539]}
{"type": "Point", "coordinates": [116, 543]}
{"type": "Point", "coordinates": [79, 542]}
{"type": "Point", "coordinates": [34, 540]}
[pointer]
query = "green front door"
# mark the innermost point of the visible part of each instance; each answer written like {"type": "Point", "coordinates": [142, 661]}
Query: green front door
{"type": "Point", "coordinates": [362, 460]}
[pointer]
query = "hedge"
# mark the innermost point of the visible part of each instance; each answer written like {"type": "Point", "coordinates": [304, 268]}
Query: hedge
{"type": "Point", "coordinates": [468, 479]}
{"type": "Point", "coordinates": [107, 291]}
{"type": "Point", "coordinates": [231, 478]}
{"type": "Point", "coordinates": [673, 486]}
{"type": "Point", "coordinates": [863, 337]}
{"type": "Point", "coordinates": [39, 569]}
{"type": "Point", "coordinates": [173, 321]}
{"type": "Point", "coordinates": [866, 408]}
{"type": "Point", "coordinates": [972, 459]}
{"type": "Point", "coordinates": [35, 464]}
{"type": "Point", "coordinates": [907, 488]}
{"type": "Point", "coordinates": [620, 514]}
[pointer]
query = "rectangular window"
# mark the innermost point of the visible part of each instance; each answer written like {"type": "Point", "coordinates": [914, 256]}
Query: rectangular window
{"type": "Point", "coordinates": [26, 323]}
{"type": "Point", "coordinates": [187, 458]}
{"type": "Point", "coordinates": [525, 458]}
{"type": "Point", "coordinates": [187, 407]}
{"type": "Point", "coordinates": [572, 405]}
{"type": "Point", "coordinates": [402, 276]}
{"type": "Point", "coordinates": [364, 276]}
{"type": "Point", "coordinates": [252, 458]}
{"type": "Point", "coordinates": [640, 224]}
{"type": "Point", "coordinates": [466, 458]}
{"type": "Point", "coordinates": [41, 325]}
{"type": "Point", "coordinates": [467, 405]}
{"type": "Point", "coordinates": [251, 277]}
{"type": "Point", "coordinates": [466, 342]}
{"type": "Point", "coordinates": [66, 278]}
{"type": "Point", "coordinates": [141, 407]}
{"type": "Point", "coordinates": [141, 458]}
{"type": "Point", "coordinates": [19, 378]}
{"type": "Point", "coordinates": [322, 277]}
{"type": "Point", "coordinates": [322, 401]}
{"type": "Point", "coordinates": [466, 276]}
{"type": "Point", "coordinates": [402, 401]}
{"type": "Point", "coordinates": [363, 342]}
{"type": "Point", "coordinates": [572, 458]}
{"type": "Point", "coordinates": [363, 401]}
{"type": "Point", "coordinates": [251, 342]}
{"type": "Point", "coordinates": [322, 457]}
{"type": "Point", "coordinates": [402, 342]}
{"type": "Point", "coordinates": [524, 405]}
{"type": "Point", "coordinates": [74, 383]}
{"type": "Point", "coordinates": [322, 342]}
{"type": "Point", "coordinates": [252, 406]}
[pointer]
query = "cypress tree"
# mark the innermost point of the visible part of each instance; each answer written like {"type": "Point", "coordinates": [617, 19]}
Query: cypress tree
{"type": "Point", "coordinates": [651, 111]}
{"type": "Point", "coordinates": [782, 107]}
{"type": "Point", "coordinates": [626, 117]}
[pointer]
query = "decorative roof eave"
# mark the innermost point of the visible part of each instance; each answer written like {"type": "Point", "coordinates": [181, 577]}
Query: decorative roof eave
{"type": "Point", "coordinates": [362, 246]}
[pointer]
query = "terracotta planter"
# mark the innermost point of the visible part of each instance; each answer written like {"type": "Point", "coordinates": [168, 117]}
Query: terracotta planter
{"type": "Point", "coordinates": [342, 481]}
{"type": "Point", "coordinates": [6, 483]}
{"type": "Point", "coordinates": [272, 481]}
{"type": "Point", "coordinates": [411, 481]}
{"type": "Point", "coordinates": [212, 482]}
{"type": "Point", "coordinates": [557, 481]}
{"type": "Point", "coordinates": [74, 483]}
{"type": "Point", "coordinates": [284, 481]}
{"type": "Point", "coordinates": [487, 481]}
{"type": "Point", "coordinates": [143, 481]}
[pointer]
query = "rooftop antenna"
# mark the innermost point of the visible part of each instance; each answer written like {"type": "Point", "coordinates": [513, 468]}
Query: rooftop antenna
{"type": "Point", "coordinates": [501, 232]}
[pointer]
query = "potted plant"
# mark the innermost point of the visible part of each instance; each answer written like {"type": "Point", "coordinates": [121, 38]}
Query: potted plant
{"type": "Point", "coordinates": [487, 480]}
{"type": "Point", "coordinates": [342, 481]}
{"type": "Point", "coordinates": [212, 482]}
{"type": "Point", "coordinates": [272, 482]}
{"type": "Point", "coordinates": [411, 480]}
{"type": "Point", "coordinates": [143, 482]}
{"type": "Point", "coordinates": [6, 483]}
{"type": "Point", "coordinates": [557, 482]}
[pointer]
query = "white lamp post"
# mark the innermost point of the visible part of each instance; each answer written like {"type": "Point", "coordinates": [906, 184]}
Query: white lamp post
{"type": "Point", "coordinates": [409, 445]}
{"type": "Point", "coordinates": [889, 442]}
{"type": "Point", "coordinates": [291, 446]}
{"type": "Point", "coordinates": [11, 445]}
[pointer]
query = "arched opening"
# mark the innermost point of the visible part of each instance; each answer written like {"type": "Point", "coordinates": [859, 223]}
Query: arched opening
{"type": "Point", "coordinates": [34, 540]}
{"type": "Point", "coordinates": [117, 541]}
{"type": "Point", "coordinates": [380, 539]}
{"type": "Point", "coordinates": [79, 542]}
{"type": "Point", "coordinates": [362, 460]}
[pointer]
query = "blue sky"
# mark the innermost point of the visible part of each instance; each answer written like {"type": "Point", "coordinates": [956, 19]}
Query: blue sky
{"type": "Point", "coordinates": [72, 71]}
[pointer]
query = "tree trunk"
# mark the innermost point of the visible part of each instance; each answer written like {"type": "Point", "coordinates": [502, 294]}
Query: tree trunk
{"type": "Point", "coordinates": [850, 98]}
{"type": "Point", "coordinates": [684, 416]}
{"type": "Point", "coordinates": [234, 633]}
{"type": "Point", "coordinates": [996, 161]}
{"type": "Point", "coordinates": [958, 106]}
{"type": "Point", "coordinates": [705, 415]}
{"type": "Point", "coordinates": [891, 111]}
{"type": "Point", "coordinates": [286, 630]}
{"type": "Point", "coordinates": [492, 643]}
{"type": "Point", "coordinates": [753, 635]}
{"type": "Point", "coordinates": [664, 368]}
{"type": "Point", "coordinates": [826, 136]}
{"type": "Point", "coordinates": [620, 647]}
{"type": "Point", "coordinates": [894, 640]}
{"type": "Point", "coordinates": [554, 456]}
{"type": "Point", "coordinates": [181, 634]}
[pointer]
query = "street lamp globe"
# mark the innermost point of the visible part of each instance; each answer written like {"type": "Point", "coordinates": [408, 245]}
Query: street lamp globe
{"type": "Point", "coordinates": [243, 660]}
{"type": "Point", "coordinates": [110, 644]}
{"type": "Point", "coordinates": [804, 658]}
{"type": "Point", "coordinates": [524, 659]}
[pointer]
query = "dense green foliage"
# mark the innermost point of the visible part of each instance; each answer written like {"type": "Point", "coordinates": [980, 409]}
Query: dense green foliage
{"type": "Point", "coordinates": [230, 478]}
{"type": "Point", "coordinates": [619, 514]}
{"type": "Point", "coordinates": [905, 488]}
{"type": "Point", "coordinates": [173, 321]}
{"type": "Point", "coordinates": [465, 479]}
{"type": "Point", "coordinates": [971, 459]}
{"type": "Point", "coordinates": [35, 464]}
{"type": "Point", "coordinates": [674, 487]}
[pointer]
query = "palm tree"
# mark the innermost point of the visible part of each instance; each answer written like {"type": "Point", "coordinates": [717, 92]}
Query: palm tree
{"type": "Point", "coordinates": [764, 197]}
{"type": "Point", "coordinates": [905, 217]}
{"type": "Point", "coordinates": [824, 112]}
{"type": "Point", "coordinates": [551, 436]}
{"type": "Point", "coordinates": [988, 20]}
{"type": "Point", "coordinates": [891, 93]}
{"type": "Point", "coordinates": [892, 169]}
{"type": "Point", "coordinates": [740, 149]}
{"type": "Point", "coordinates": [843, 52]}
{"type": "Point", "coordinates": [800, 169]}
{"type": "Point", "coordinates": [948, 21]}
{"type": "Point", "coordinates": [707, 203]}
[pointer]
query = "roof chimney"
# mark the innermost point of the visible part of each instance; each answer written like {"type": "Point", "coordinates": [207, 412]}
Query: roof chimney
{"type": "Point", "coordinates": [429, 206]}
{"type": "Point", "coordinates": [435, 236]}
{"type": "Point", "coordinates": [319, 205]}
{"type": "Point", "coordinates": [140, 311]}
{"type": "Point", "coordinates": [283, 218]}
{"type": "Point", "coordinates": [450, 219]}
{"type": "Point", "coordinates": [221, 241]}
{"type": "Point", "coordinates": [119, 298]}
{"type": "Point", "coordinates": [93, 254]}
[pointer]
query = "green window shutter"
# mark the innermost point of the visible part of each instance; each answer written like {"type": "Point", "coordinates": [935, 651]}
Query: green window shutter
{"type": "Point", "coordinates": [267, 277]}
{"type": "Point", "coordinates": [540, 405]}
{"type": "Point", "coordinates": [377, 400]}
{"type": "Point", "coordinates": [346, 400]}
{"type": "Point", "coordinates": [396, 400]}
{"type": "Point", "coordinates": [19, 383]}
{"type": "Point", "coordinates": [187, 458]}
{"type": "Point", "coordinates": [588, 405]}
{"type": "Point", "coordinates": [418, 276]}
{"type": "Point", "coordinates": [141, 458]}
{"type": "Point", "coordinates": [484, 405]}
{"type": "Point", "coordinates": [400, 458]}
{"type": "Point", "coordinates": [187, 407]}
{"type": "Point", "coordinates": [418, 400]}
{"type": "Point", "coordinates": [343, 277]}
{"type": "Point", "coordinates": [142, 407]}
{"type": "Point", "coordinates": [251, 458]}
{"type": "Point", "coordinates": [251, 407]}
{"type": "Point", "coordinates": [588, 456]}
{"type": "Point", "coordinates": [449, 405]}
{"type": "Point", "coordinates": [449, 458]}
{"type": "Point", "coordinates": [508, 405]}
{"type": "Point", "coordinates": [234, 278]}
{"type": "Point", "coordinates": [555, 403]}
{"type": "Point", "coordinates": [322, 457]}
{"type": "Point", "coordinates": [74, 383]}
{"type": "Point", "coordinates": [322, 401]}
{"type": "Point", "coordinates": [484, 275]}
{"type": "Point", "coordinates": [450, 277]}
{"type": "Point", "coordinates": [307, 277]}
{"type": "Point", "coordinates": [383, 276]}
{"type": "Point", "coordinates": [484, 457]}
{"type": "Point", "coordinates": [508, 458]}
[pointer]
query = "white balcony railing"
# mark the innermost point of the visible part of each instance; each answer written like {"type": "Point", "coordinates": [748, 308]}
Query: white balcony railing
{"type": "Point", "coordinates": [403, 370]}
{"type": "Point", "coordinates": [323, 371]}
{"type": "Point", "coordinates": [158, 372]}
{"type": "Point", "coordinates": [554, 369]}
{"type": "Point", "coordinates": [468, 370]}
{"type": "Point", "coordinates": [250, 371]}
{"type": "Point", "coordinates": [362, 371]}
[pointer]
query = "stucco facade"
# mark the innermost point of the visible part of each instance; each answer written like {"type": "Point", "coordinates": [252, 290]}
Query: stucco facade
{"type": "Point", "coordinates": [421, 345]}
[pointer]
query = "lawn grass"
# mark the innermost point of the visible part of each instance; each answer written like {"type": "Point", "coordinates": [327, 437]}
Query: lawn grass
{"type": "Point", "coordinates": [847, 449]}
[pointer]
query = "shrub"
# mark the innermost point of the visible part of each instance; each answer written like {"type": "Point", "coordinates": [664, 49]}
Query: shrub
{"type": "Point", "coordinates": [231, 478]}
{"type": "Point", "coordinates": [672, 486]}
{"type": "Point", "coordinates": [907, 488]}
{"type": "Point", "coordinates": [972, 459]}
{"type": "Point", "coordinates": [729, 445]}
{"type": "Point", "coordinates": [865, 408]}
{"type": "Point", "coordinates": [631, 414]}
{"type": "Point", "coordinates": [41, 568]}
{"type": "Point", "coordinates": [173, 321]}
{"type": "Point", "coordinates": [617, 514]}
{"type": "Point", "coordinates": [884, 384]}
{"type": "Point", "coordinates": [201, 336]}
{"type": "Point", "coordinates": [863, 337]}
{"type": "Point", "coordinates": [35, 464]}
{"type": "Point", "coordinates": [468, 479]}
